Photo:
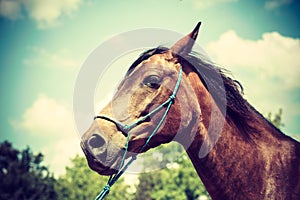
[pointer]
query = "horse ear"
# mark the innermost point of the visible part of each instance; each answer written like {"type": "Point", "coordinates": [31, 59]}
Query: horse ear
{"type": "Point", "coordinates": [184, 45]}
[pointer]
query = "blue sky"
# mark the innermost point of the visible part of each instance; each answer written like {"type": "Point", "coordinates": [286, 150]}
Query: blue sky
{"type": "Point", "coordinates": [44, 43]}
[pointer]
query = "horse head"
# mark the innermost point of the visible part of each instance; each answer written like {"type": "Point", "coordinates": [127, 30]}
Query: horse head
{"type": "Point", "coordinates": [158, 85]}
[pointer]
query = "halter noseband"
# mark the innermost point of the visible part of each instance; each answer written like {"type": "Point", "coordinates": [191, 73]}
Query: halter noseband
{"type": "Point", "coordinates": [125, 129]}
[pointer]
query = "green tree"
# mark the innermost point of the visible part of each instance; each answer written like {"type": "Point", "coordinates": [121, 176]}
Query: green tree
{"type": "Point", "coordinates": [277, 119]}
{"type": "Point", "coordinates": [178, 180]}
{"type": "Point", "coordinates": [81, 183]}
{"type": "Point", "coordinates": [23, 176]}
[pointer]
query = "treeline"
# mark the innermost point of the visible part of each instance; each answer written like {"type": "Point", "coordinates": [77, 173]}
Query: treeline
{"type": "Point", "coordinates": [23, 176]}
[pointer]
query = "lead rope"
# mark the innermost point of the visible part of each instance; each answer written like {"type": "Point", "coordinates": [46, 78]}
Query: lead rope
{"type": "Point", "coordinates": [113, 178]}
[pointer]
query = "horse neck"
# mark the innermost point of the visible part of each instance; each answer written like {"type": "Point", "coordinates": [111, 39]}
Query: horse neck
{"type": "Point", "coordinates": [236, 168]}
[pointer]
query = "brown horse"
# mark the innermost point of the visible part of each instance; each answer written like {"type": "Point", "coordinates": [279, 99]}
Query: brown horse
{"type": "Point", "coordinates": [236, 152]}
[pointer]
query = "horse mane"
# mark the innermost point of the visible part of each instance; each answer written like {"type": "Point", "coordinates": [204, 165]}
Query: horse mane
{"type": "Point", "coordinates": [238, 111]}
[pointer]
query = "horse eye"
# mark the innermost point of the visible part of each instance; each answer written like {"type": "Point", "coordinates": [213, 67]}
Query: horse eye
{"type": "Point", "coordinates": [152, 81]}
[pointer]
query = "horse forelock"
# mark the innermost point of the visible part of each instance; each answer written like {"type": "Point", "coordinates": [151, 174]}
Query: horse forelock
{"type": "Point", "coordinates": [144, 56]}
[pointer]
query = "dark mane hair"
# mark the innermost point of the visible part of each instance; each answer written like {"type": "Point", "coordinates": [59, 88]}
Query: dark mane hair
{"type": "Point", "coordinates": [145, 55]}
{"type": "Point", "coordinates": [238, 110]}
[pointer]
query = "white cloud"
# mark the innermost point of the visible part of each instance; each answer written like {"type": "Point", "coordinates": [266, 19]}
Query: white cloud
{"type": "Point", "coordinates": [46, 116]}
{"type": "Point", "coordinates": [273, 56]}
{"type": "Point", "coordinates": [203, 4]}
{"type": "Point", "coordinates": [273, 4]}
{"type": "Point", "coordinates": [53, 121]}
{"type": "Point", "coordinates": [41, 57]}
{"type": "Point", "coordinates": [46, 13]}
{"type": "Point", "coordinates": [59, 154]}
{"type": "Point", "coordinates": [268, 68]}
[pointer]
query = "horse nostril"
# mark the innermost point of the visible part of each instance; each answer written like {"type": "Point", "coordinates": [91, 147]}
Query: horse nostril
{"type": "Point", "coordinates": [96, 141]}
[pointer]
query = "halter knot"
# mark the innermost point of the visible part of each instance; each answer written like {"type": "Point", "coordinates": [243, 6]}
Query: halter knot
{"type": "Point", "coordinates": [172, 98]}
{"type": "Point", "coordinates": [134, 157]}
{"type": "Point", "coordinates": [106, 187]}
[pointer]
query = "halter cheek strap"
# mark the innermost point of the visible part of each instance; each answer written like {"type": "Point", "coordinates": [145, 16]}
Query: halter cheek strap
{"type": "Point", "coordinates": [125, 129]}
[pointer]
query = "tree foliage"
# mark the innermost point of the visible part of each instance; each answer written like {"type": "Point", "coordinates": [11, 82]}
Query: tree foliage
{"type": "Point", "coordinates": [178, 180]}
{"type": "Point", "coordinates": [277, 119]}
{"type": "Point", "coordinates": [81, 183]}
{"type": "Point", "coordinates": [23, 176]}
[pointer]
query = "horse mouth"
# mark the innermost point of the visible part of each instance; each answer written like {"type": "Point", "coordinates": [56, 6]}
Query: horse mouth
{"type": "Point", "coordinates": [105, 157]}
{"type": "Point", "coordinates": [106, 168]}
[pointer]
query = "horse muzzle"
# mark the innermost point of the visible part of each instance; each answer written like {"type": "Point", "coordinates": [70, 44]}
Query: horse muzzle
{"type": "Point", "coordinates": [102, 156]}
